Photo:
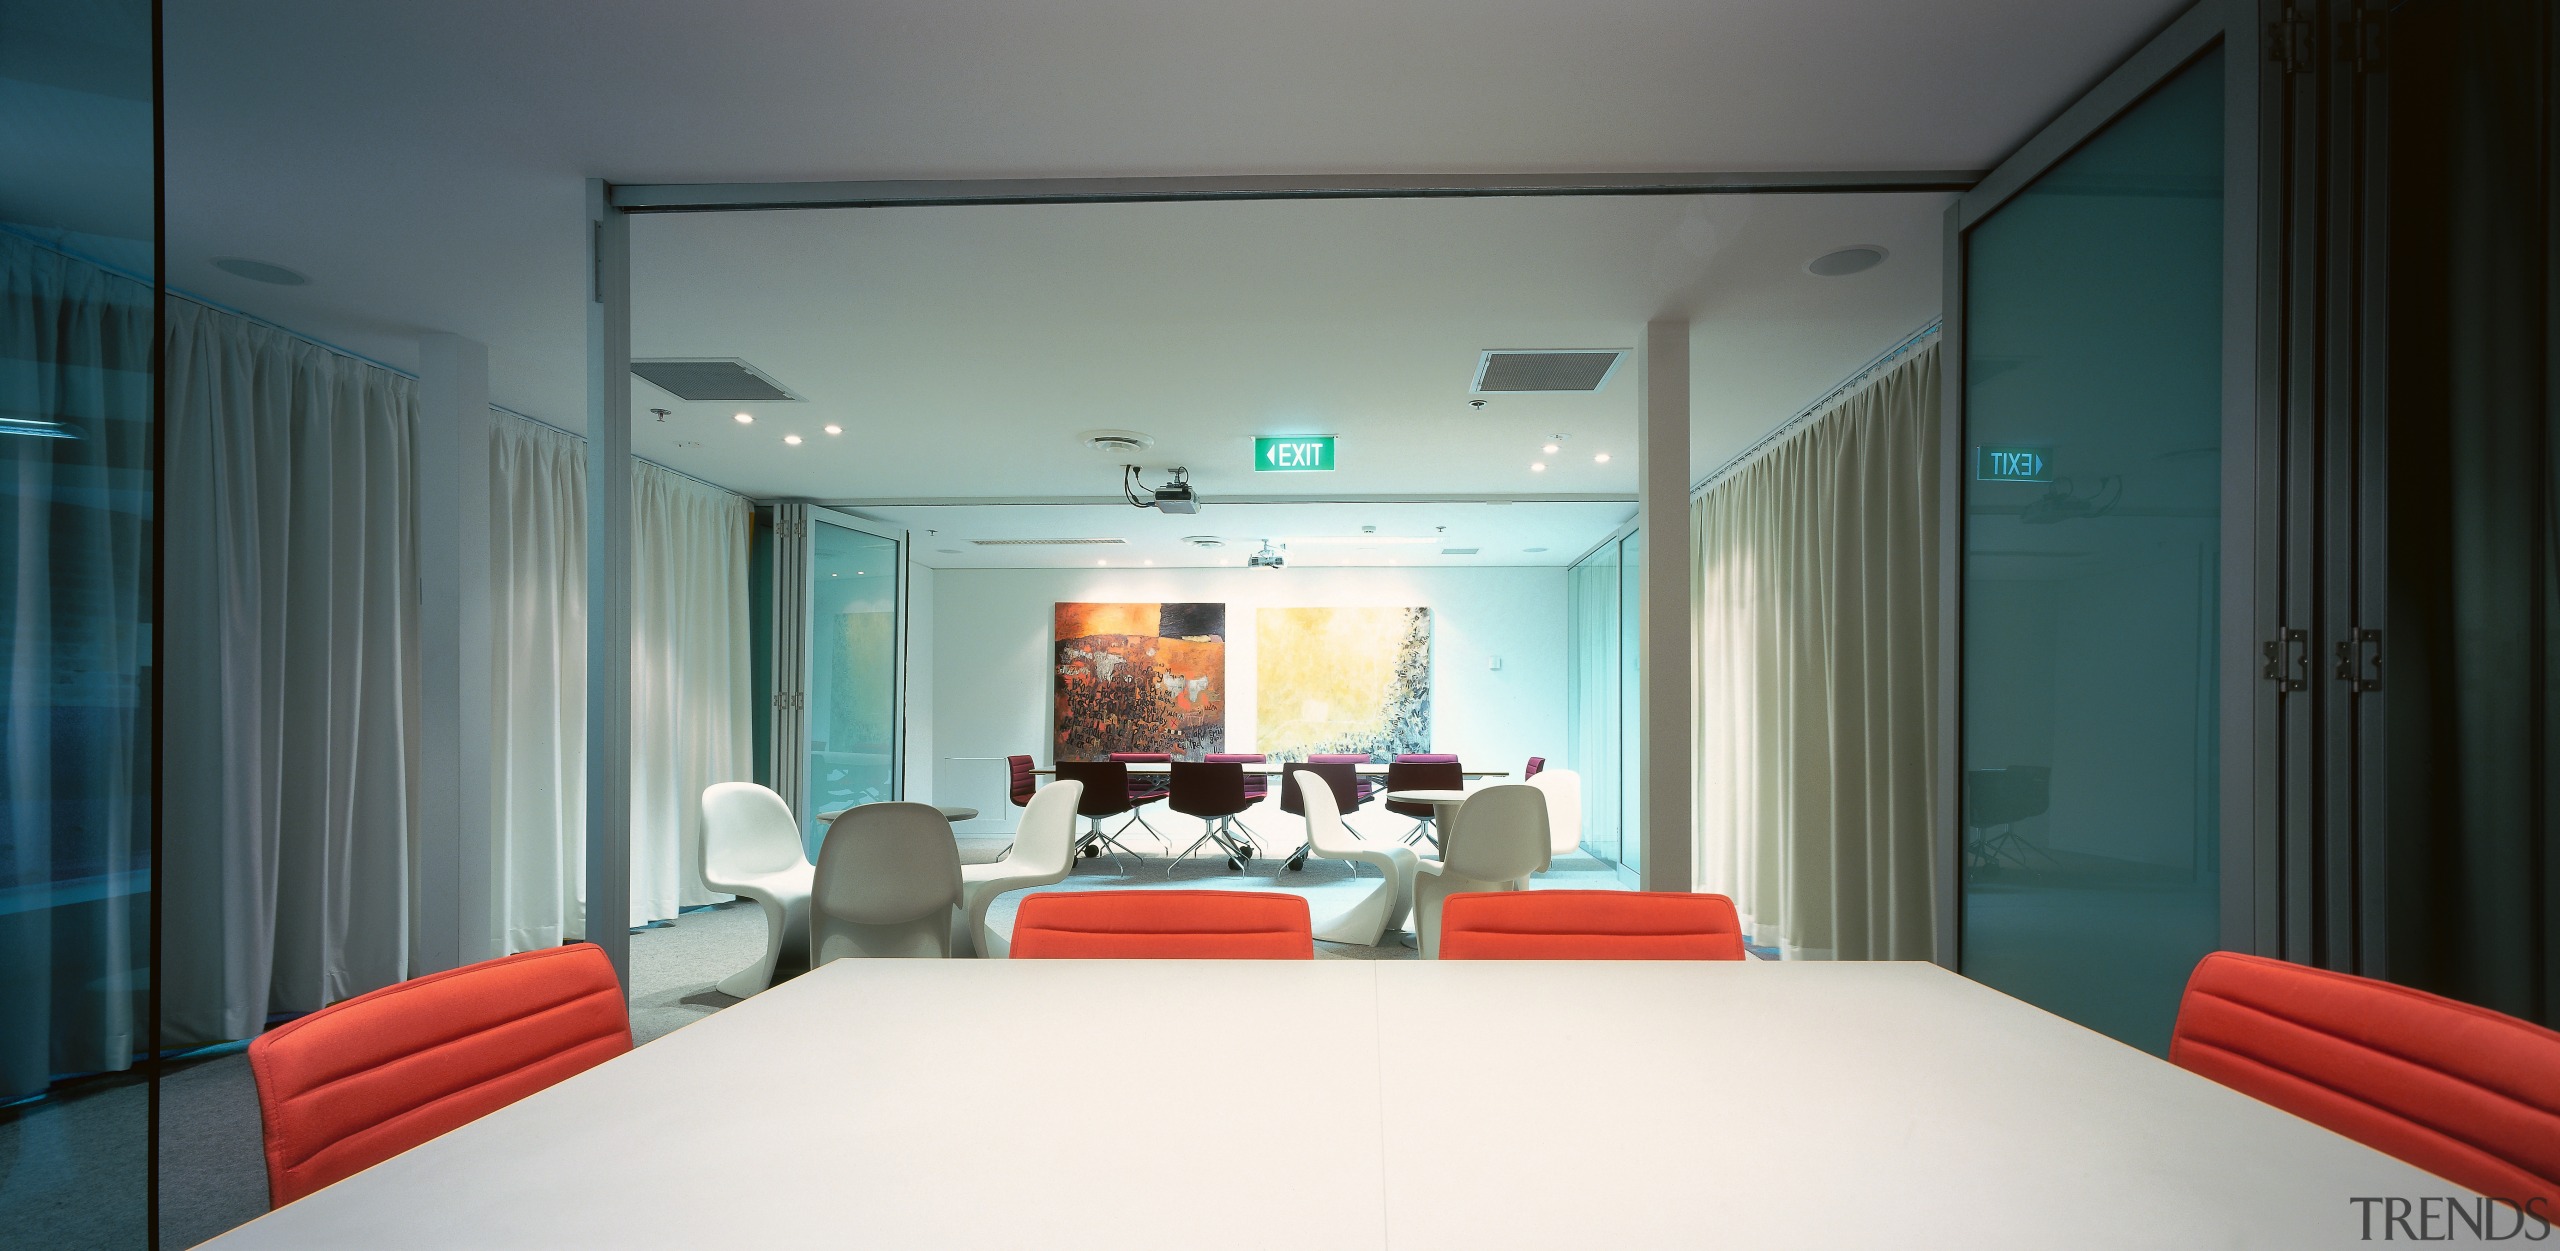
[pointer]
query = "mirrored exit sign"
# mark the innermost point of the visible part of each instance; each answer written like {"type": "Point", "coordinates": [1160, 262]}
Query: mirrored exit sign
{"type": "Point", "coordinates": [1308, 453]}
{"type": "Point", "coordinates": [2001, 462]}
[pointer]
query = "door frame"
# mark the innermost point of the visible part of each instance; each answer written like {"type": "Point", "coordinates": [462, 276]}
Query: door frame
{"type": "Point", "coordinates": [2249, 582]}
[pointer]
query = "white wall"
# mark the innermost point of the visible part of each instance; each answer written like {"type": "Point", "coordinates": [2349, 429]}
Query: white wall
{"type": "Point", "coordinates": [991, 659]}
{"type": "Point", "coordinates": [917, 782]}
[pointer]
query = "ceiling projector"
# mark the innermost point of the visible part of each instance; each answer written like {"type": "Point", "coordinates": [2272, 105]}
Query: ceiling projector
{"type": "Point", "coordinates": [1268, 558]}
{"type": "Point", "coordinates": [1173, 497]}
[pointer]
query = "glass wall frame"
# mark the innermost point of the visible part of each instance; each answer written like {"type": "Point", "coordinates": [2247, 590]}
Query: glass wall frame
{"type": "Point", "coordinates": [819, 674]}
{"type": "Point", "coordinates": [2220, 37]}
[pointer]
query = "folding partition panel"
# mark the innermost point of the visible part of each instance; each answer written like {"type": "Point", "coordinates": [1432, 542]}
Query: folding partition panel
{"type": "Point", "coordinates": [2103, 476]}
{"type": "Point", "coordinates": [839, 663]}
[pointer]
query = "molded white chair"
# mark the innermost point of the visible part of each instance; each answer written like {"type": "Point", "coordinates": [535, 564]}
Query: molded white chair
{"type": "Point", "coordinates": [1044, 851]}
{"type": "Point", "coordinates": [751, 847]}
{"type": "Point", "coordinates": [1500, 839]}
{"type": "Point", "coordinates": [1564, 812]}
{"type": "Point", "coordinates": [888, 879]}
{"type": "Point", "coordinates": [1384, 907]}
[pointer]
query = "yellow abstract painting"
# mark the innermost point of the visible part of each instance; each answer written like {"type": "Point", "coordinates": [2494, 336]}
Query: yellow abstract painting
{"type": "Point", "coordinates": [1342, 680]}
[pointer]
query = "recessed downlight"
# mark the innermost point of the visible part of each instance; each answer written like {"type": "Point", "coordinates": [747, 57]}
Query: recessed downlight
{"type": "Point", "coordinates": [1551, 449]}
{"type": "Point", "coordinates": [1846, 261]}
{"type": "Point", "coordinates": [745, 419]}
{"type": "Point", "coordinates": [260, 271]}
{"type": "Point", "coordinates": [1600, 458]}
{"type": "Point", "coordinates": [792, 439]}
{"type": "Point", "coordinates": [1538, 467]}
{"type": "Point", "coordinates": [833, 428]}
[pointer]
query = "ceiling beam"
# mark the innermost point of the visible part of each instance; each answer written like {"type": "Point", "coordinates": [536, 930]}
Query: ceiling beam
{"type": "Point", "coordinates": [1217, 501]}
{"type": "Point", "coordinates": [712, 197]}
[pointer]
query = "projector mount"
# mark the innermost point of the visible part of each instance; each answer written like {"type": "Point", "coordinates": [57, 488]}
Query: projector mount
{"type": "Point", "coordinates": [1173, 497]}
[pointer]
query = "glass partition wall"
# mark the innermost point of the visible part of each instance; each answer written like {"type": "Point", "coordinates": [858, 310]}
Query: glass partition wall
{"type": "Point", "coordinates": [1601, 594]}
{"type": "Point", "coordinates": [838, 669]}
{"type": "Point", "coordinates": [79, 247]}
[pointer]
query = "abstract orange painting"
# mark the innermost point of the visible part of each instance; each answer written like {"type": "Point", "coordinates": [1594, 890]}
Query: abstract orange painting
{"type": "Point", "coordinates": [1140, 677]}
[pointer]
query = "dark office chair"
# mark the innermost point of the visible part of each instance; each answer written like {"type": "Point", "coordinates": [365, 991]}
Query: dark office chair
{"type": "Point", "coordinates": [1106, 794]}
{"type": "Point", "coordinates": [1021, 784]}
{"type": "Point", "coordinates": [1146, 788]}
{"type": "Point", "coordinates": [1423, 771]}
{"type": "Point", "coordinates": [1257, 786]}
{"type": "Point", "coordinates": [1340, 776]}
{"type": "Point", "coordinates": [1213, 791]}
{"type": "Point", "coordinates": [1355, 759]}
{"type": "Point", "coordinates": [1995, 800]}
{"type": "Point", "coordinates": [1537, 765]}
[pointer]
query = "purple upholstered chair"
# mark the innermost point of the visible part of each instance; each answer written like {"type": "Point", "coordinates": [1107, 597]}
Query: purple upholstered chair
{"type": "Point", "coordinates": [1537, 765]}
{"type": "Point", "coordinates": [1423, 771]}
{"type": "Point", "coordinates": [1146, 788]}
{"type": "Point", "coordinates": [1106, 794]}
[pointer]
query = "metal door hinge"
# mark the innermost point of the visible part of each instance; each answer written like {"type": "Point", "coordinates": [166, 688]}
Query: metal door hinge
{"type": "Point", "coordinates": [2289, 40]}
{"type": "Point", "coordinates": [2360, 660]}
{"type": "Point", "coordinates": [2288, 660]}
{"type": "Point", "coordinates": [2360, 42]}
{"type": "Point", "coordinates": [789, 699]}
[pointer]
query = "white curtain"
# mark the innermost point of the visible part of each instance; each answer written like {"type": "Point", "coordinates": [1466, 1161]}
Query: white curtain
{"type": "Point", "coordinates": [290, 743]}
{"type": "Point", "coordinates": [689, 677]}
{"type": "Point", "coordinates": [1816, 631]}
{"type": "Point", "coordinates": [75, 570]}
{"type": "Point", "coordinates": [538, 675]}
{"type": "Point", "coordinates": [690, 698]}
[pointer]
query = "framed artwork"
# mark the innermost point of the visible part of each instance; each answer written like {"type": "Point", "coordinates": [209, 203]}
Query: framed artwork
{"type": "Point", "coordinates": [1342, 680]}
{"type": "Point", "coordinates": [1140, 677]}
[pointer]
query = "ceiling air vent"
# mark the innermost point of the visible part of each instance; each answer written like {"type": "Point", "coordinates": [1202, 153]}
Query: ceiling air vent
{"type": "Point", "coordinates": [708, 378]}
{"type": "Point", "coordinates": [1460, 551]}
{"type": "Point", "coordinates": [1546, 371]}
{"type": "Point", "coordinates": [1051, 542]}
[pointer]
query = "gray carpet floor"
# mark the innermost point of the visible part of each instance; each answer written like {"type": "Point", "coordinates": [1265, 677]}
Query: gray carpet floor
{"type": "Point", "coordinates": [71, 1168]}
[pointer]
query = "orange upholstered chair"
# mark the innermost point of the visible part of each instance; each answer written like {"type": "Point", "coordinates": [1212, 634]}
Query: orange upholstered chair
{"type": "Point", "coordinates": [1163, 925]}
{"type": "Point", "coordinates": [359, 1082]}
{"type": "Point", "coordinates": [2468, 1094]}
{"type": "Point", "coordinates": [1589, 925]}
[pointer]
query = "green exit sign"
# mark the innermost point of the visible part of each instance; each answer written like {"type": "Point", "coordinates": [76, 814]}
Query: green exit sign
{"type": "Point", "coordinates": [1310, 453]}
{"type": "Point", "coordinates": [1994, 462]}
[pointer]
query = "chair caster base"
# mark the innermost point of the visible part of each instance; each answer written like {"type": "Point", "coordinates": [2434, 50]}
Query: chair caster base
{"type": "Point", "coordinates": [1297, 864]}
{"type": "Point", "coordinates": [1231, 863]}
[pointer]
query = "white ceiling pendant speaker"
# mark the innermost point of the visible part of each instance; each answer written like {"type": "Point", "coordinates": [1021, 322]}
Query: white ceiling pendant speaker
{"type": "Point", "coordinates": [1575, 370]}
{"type": "Point", "coordinates": [1117, 442]}
{"type": "Point", "coordinates": [1846, 261]}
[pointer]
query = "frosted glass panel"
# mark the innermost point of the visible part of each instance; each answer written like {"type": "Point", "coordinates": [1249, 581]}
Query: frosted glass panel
{"type": "Point", "coordinates": [1592, 719]}
{"type": "Point", "coordinates": [2093, 375]}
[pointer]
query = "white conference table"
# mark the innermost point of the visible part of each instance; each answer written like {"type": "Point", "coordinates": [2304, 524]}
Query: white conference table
{"type": "Point", "coordinates": [1361, 1104]}
{"type": "Point", "coordinates": [1158, 768]}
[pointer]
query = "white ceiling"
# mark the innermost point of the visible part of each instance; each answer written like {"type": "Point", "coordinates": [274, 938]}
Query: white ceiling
{"type": "Point", "coordinates": [1312, 534]}
{"type": "Point", "coordinates": [965, 350]}
{"type": "Point", "coordinates": [422, 161]}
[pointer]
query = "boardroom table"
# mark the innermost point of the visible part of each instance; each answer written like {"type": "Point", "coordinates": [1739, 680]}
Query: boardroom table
{"type": "Point", "coordinates": [956, 1104]}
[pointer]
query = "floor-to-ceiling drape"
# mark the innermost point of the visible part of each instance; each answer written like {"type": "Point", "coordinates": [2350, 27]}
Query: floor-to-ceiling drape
{"type": "Point", "coordinates": [537, 671]}
{"type": "Point", "coordinates": [289, 756]}
{"type": "Point", "coordinates": [75, 517]}
{"type": "Point", "coordinates": [1816, 629]}
{"type": "Point", "coordinates": [689, 679]}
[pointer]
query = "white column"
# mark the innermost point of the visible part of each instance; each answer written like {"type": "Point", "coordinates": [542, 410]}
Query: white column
{"type": "Point", "coordinates": [608, 919]}
{"type": "Point", "coordinates": [1665, 763]}
{"type": "Point", "coordinates": [454, 807]}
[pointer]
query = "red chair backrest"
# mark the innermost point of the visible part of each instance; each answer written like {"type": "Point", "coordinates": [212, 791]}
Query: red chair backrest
{"type": "Point", "coordinates": [1589, 925]}
{"type": "Point", "coordinates": [2468, 1094]}
{"type": "Point", "coordinates": [1163, 925]}
{"type": "Point", "coordinates": [1019, 780]}
{"type": "Point", "coordinates": [361, 1081]}
{"type": "Point", "coordinates": [1537, 765]}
